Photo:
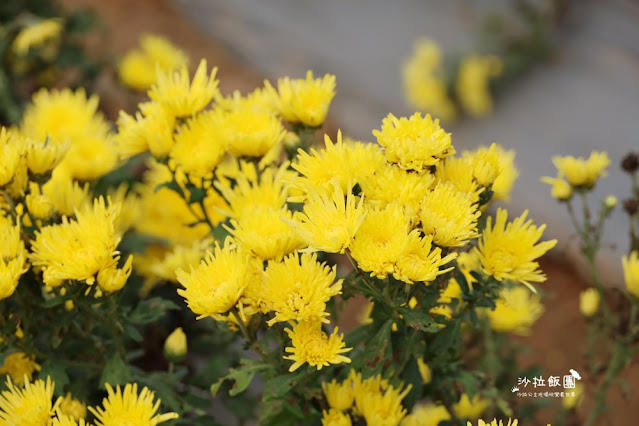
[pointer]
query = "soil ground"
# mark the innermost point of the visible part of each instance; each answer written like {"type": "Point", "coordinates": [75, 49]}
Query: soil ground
{"type": "Point", "coordinates": [557, 336]}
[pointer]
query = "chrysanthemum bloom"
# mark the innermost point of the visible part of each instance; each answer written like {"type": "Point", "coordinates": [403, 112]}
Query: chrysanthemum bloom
{"type": "Point", "coordinates": [37, 34]}
{"type": "Point", "coordinates": [254, 191]}
{"type": "Point", "coordinates": [361, 387]}
{"type": "Point", "coordinates": [380, 239]}
{"type": "Point", "coordinates": [311, 345]}
{"type": "Point", "coordinates": [335, 417]}
{"type": "Point", "coordinates": [61, 419]}
{"type": "Point", "coordinates": [418, 261]}
{"type": "Point", "coordinates": [516, 311]}
{"type": "Point", "coordinates": [44, 156]}
{"type": "Point", "coordinates": [112, 279]}
{"type": "Point", "coordinates": [298, 288]}
{"type": "Point", "coordinates": [458, 171]}
{"type": "Point", "coordinates": [138, 67]}
{"type": "Point", "coordinates": [11, 152]}
{"type": "Point", "coordinates": [72, 407]}
{"type": "Point", "coordinates": [78, 249]}
{"type": "Point", "coordinates": [485, 163]}
{"type": "Point", "coordinates": [471, 408]}
{"type": "Point", "coordinates": [20, 367]}
{"type": "Point", "coordinates": [414, 143]}
{"type": "Point", "coordinates": [329, 222]}
{"type": "Point", "coordinates": [126, 407]}
{"type": "Point", "coordinates": [503, 185]}
{"type": "Point", "coordinates": [183, 97]}
{"type": "Point", "coordinates": [631, 272]}
{"type": "Point", "coordinates": [383, 408]}
{"type": "Point", "coordinates": [251, 132]}
{"type": "Point", "coordinates": [390, 183]}
{"type": "Point", "coordinates": [473, 83]}
{"type": "Point", "coordinates": [560, 189]}
{"type": "Point", "coordinates": [511, 422]}
{"type": "Point", "coordinates": [424, 87]}
{"type": "Point", "coordinates": [151, 130]}
{"type": "Point", "coordinates": [39, 205]}
{"type": "Point", "coordinates": [449, 216]}
{"type": "Point", "coordinates": [340, 396]}
{"type": "Point", "coordinates": [426, 414]}
{"type": "Point", "coordinates": [66, 195]}
{"type": "Point", "coordinates": [265, 233]}
{"type": "Point", "coordinates": [259, 100]}
{"type": "Point", "coordinates": [199, 145]}
{"type": "Point", "coordinates": [28, 406]}
{"type": "Point", "coordinates": [509, 251]}
{"type": "Point", "coordinates": [581, 172]}
{"type": "Point", "coordinates": [303, 101]}
{"type": "Point", "coordinates": [589, 302]}
{"type": "Point", "coordinates": [13, 257]}
{"type": "Point", "coordinates": [216, 284]}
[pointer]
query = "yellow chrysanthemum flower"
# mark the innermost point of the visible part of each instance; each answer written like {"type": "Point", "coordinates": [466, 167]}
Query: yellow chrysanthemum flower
{"type": "Point", "coordinates": [37, 34]}
{"type": "Point", "coordinates": [20, 367]}
{"type": "Point", "coordinates": [111, 278]}
{"type": "Point", "coordinates": [340, 396]}
{"type": "Point", "coordinates": [503, 185]}
{"type": "Point", "coordinates": [123, 407]}
{"type": "Point", "coordinates": [298, 288]}
{"type": "Point", "coordinates": [13, 257]}
{"type": "Point", "coordinates": [335, 417]}
{"type": "Point", "coordinates": [480, 422]}
{"type": "Point", "coordinates": [361, 387]}
{"type": "Point", "coordinates": [254, 191]}
{"type": "Point", "coordinates": [516, 311]}
{"type": "Point", "coordinates": [589, 302]}
{"type": "Point", "coordinates": [44, 156]}
{"type": "Point", "coordinates": [449, 216]}
{"type": "Point", "coordinates": [303, 101]}
{"type": "Point", "coordinates": [311, 345]}
{"type": "Point", "coordinates": [138, 68]}
{"type": "Point", "coordinates": [560, 189]}
{"type": "Point", "coordinates": [471, 408]}
{"type": "Point", "coordinates": [390, 184]}
{"type": "Point", "coordinates": [582, 172]}
{"type": "Point", "coordinates": [151, 130]}
{"type": "Point", "coordinates": [28, 406]}
{"type": "Point", "coordinates": [182, 97]}
{"type": "Point", "coordinates": [383, 408]}
{"type": "Point", "coordinates": [631, 272]}
{"type": "Point", "coordinates": [458, 171]}
{"type": "Point", "coordinates": [39, 205]}
{"type": "Point", "coordinates": [509, 251]}
{"type": "Point", "coordinates": [329, 222]}
{"type": "Point", "coordinates": [259, 100]}
{"type": "Point", "coordinates": [485, 163]}
{"type": "Point", "coordinates": [414, 143]}
{"type": "Point", "coordinates": [426, 415]}
{"type": "Point", "coordinates": [380, 239]}
{"type": "Point", "coordinates": [217, 283]}
{"type": "Point", "coordinates": [11, 153]}
{"type": "Point", "coordinates": [61, 419]}
{"type": "Point", "coordinates": [72, 407]}
{"type": "Point", "coordinates": [66, 195]}
{"type": "Point", "coordinates": [424, 87]}
{"type": "Point", "coordinates": [199, 144]}
{"type": "Point", "coordinates": [265, 233]}
{"type": "Point", "coordinates": [78, 249]}
{"type": "Point", "coordinates": [417, 262]}
{"type": "Point", "coordinates": [251, 132]}
{"type": "Point", "coordinates": [473, 83]}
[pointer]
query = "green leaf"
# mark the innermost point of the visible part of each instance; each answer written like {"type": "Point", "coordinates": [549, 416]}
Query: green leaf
{"type": "Point", "coordinates": [419, 319]}
{"type": "Point", "coordinates": [58, 374]}
{"type": "Point", "coordinates": [379, 349]}
{"type": "Point", "coordinates": [279, 386]}
{"type": "Point", "coordinates": [116, 372]}
{"type": "Point", "coordinates": [197, 194]}
{"type": "Point", "coordinates": [151, 310]}
{"type": "Point", "coordinates": [172, 185]}
{"type": "Point", "coordinates": [131, 332]}
{"type": "Point", "coordinates": [242, 376]}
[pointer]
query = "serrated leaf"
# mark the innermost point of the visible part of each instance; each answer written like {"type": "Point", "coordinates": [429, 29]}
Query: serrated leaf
{"type": "Point", "coordinates": [116, 372]}
{"type": "Point", "coordinates": [418, 319]}
{"type": "Point", "coordinates": [151, 310]}
{"type": "Point", "coordinates": [242, 376]}
{"type": "Point", "coordinates": [279, 386]}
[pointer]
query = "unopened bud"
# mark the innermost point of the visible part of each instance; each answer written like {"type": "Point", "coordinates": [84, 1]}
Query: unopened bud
{"type": "Point", "coordinates": [610, 202]}
{"type": "Point", "coordinates": [589, 302]}
{"type": "Point", "coordinates": [175, 345]}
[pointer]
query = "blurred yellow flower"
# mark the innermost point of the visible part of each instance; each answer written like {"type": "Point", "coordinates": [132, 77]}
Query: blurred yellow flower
{"type": "Point", "coordinates": [383, 408]}
{"type": "Point", "coordinates": [138, 68]}
{"type": "Point", "coordinates": [37, 34]}
{"type": "Point", "coordinates": [516, 311]}
{"type": "Point", "coordinates": [589, 302]}
{"type": "Point", "coordinates": [631, 272]}
{"type": "Point", "coordinates": [473, 83]}
{"type": "Point", "coordinates": [182, 97]}
{"type": "Point", "coordinates": [304, 101]}
{"type": "Point", "coordinates": [449, 216]}
{"type": "Point", "coordinates": [20, 367]}
{"type": "Point", "coordinates": [111, 278]}
{"type": "Point", "coordinates": [582, 172]}
{"type": "Point", "coordinates": [509, 251]}
{"type": "Point", "coordinates": [28, 405]}
{"type": "Point", "coordinates": [471, 408]}
{"type": "Point", "coordinates": [298, 288]}
{"type": "Point", "coordinates": [72, 407]}
{"type": "Point", "coordinates": [126, 406]}
{"type": "Point", "coordinates": [560, 189]}
{"type": "Point", "coordinates": [251, 132]}
{"type": "Point", "coordinates": [151, 130]}
{"type": "Point", "coordinates": [11, 152]}
{"type": "Point", "coordinates": [66, 195]}
{"type": "Point", "coordinates": [311, 345]}
{"type": "Point", "coordinates": [511, 422]}
{"type": "Point", "coordinates": [340, 396]}
{"type": "Point", "coordinates": [426, 415]}
{"type": "Point", "coordinates": [175, 346]}
{"type": "Point", "coordinates": [13, 257]}
{"type": "Point", "coordinates": [199, 145]}
{"type": "Point", "coordinates": [414, 143]}
{"type": "Point", "coordinates": [424, 371]}
{"type": "Point", "coordinates": [335, 417]}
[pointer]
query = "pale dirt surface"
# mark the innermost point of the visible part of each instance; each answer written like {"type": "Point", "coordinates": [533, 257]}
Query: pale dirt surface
{"type": "Point", "coordinates": [557, 336]}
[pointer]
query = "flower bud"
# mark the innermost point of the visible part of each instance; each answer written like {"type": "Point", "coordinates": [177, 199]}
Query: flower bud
{"type": "Point", "coordinates": [175, 345]}
{"type": "Point", "coordinates": [589, 302]}
{"type": "Point", "coordinates": [72, 407]}
{"type": "Point", "coordinates": [610, 202]}
{"type": "Point", "coordinates": [631, 206]}
{"type": "Point", "coordinates": [630, 162]}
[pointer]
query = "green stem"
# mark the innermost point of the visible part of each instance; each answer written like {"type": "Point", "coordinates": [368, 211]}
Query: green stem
{"type": "Point", "coordinates": [616, 365]}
